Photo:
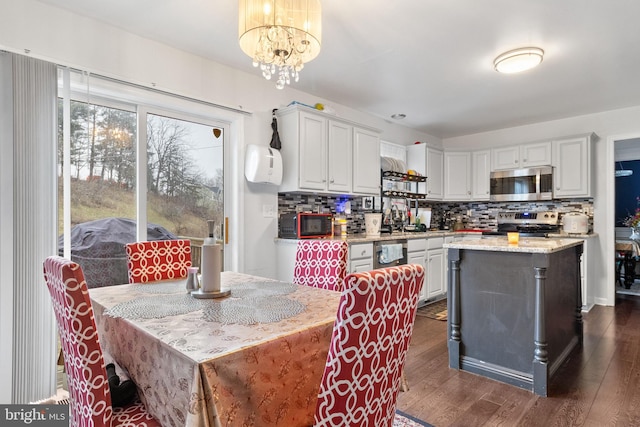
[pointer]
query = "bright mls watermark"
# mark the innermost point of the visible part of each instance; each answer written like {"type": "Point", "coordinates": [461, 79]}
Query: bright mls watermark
{"type": "Point", "coordinates": [34, 415]}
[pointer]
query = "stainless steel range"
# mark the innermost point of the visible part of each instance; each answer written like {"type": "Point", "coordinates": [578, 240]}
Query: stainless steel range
{"type": "Point", "coordinates": [528, 224]}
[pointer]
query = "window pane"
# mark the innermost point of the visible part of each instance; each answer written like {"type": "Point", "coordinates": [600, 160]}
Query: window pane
{"type": "Point", "coordinates": [102, 162]}
{"type": "Point", "coordinates": [184, 176]}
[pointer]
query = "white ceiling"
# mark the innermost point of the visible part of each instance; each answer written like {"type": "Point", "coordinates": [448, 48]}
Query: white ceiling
{"type": "Point", "coordinates": [429, 59]}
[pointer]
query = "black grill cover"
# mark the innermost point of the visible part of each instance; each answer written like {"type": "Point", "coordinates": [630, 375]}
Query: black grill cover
{"type": "Point", "coordinates": [98, 246]}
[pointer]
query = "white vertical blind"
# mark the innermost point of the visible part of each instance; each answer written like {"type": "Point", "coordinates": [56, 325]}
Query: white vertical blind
{"type": "Point", "coordinates": [6, 226]}
{"type": "Point", "coordinates": [34, 227]}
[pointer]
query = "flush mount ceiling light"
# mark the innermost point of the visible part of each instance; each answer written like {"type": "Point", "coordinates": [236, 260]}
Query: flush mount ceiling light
{"type": "Point", "coordinates": [517, 60]}
{"type": "Point", "coordinates": [280, 35]}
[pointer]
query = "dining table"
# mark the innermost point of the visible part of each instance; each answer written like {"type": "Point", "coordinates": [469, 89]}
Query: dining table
{"type": "Point", "coordinates": [253, 358]}
{"type": "Point", "coordinates": [630, 250]}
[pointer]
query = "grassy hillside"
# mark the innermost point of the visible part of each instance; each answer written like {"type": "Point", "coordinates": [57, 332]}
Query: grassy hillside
{"type": "Point", "coordinates": [95, 200]}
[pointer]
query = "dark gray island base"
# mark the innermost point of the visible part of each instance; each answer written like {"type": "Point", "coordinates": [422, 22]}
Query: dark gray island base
{"type": "Point", "coordinates": [515, 311]}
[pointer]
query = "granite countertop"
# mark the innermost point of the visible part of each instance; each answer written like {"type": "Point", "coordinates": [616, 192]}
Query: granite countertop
{"type": "Point", "coordinates": [525, 245]}
{"type": "Point", "coordinates": [362, 238]}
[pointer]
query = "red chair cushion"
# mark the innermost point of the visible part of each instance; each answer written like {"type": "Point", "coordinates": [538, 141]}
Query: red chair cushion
{"type": "Point", "coordinates": [368, 348]}
{"type": "Point", "coordinates": [89, 395]}
{"type": "Point", "coordinates": [158, 260]}
{"type": "Point", "coordinates": [321, 264]}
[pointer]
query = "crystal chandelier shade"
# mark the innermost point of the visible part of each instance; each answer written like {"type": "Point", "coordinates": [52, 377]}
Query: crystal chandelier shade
{"type": "Point", "coordinates": [280, 35]}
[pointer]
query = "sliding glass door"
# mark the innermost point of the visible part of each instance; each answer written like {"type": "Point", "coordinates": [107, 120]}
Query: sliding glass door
{"type": "Point", "coordinates": [128, 166]}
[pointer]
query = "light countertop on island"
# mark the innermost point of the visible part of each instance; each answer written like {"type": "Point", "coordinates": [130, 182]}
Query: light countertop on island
{"type": "Point", "coordinates": [363, 238]}
{"type": "Point", "coordinates": [525, 245]}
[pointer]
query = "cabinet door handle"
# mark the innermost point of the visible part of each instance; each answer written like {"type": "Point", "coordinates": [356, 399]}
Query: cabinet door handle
{"type": "Point", "coordinates": [332, 180]}
{"type": "Point", "coordinates": [363, 253]}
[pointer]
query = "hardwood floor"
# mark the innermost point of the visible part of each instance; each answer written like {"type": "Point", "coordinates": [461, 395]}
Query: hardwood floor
{"type": "Point", "coordinates": [598, 385]}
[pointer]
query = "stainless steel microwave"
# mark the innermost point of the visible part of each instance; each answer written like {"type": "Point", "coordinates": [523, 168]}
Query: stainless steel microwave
{"type": "Point", "coordinates": [305, 225]}
{"type": "Point", "coordinates": [522, 184]}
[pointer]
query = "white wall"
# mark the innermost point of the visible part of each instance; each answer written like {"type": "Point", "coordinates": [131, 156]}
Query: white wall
{"type": "Point", "coordinates": [609, 126]}
{"type": "Point", "coordinates": [64, 38]}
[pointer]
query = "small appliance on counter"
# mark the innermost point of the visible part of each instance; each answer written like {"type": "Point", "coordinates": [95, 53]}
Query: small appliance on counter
{"type": "Point", "coordinates": [575, 223]}
{"type": "Point", "coordinates": [305, 225]}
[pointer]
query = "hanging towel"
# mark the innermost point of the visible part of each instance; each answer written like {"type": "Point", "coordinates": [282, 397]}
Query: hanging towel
{"type": "Point", "coordinates": [390, 253]}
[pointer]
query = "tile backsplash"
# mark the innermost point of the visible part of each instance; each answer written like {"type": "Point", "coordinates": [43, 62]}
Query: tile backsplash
{"type": "Point", "coordinates": [482, 214]}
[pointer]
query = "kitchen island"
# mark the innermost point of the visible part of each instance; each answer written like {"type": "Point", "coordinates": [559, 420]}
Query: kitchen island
{"type": "Point", "coordinates": [515, 310]}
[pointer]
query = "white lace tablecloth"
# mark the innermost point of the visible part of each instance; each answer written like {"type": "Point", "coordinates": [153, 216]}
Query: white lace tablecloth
{"type": "Point", "coordinates": [194, 367]}
{"type": "Point", "coordinates": [249, 303]}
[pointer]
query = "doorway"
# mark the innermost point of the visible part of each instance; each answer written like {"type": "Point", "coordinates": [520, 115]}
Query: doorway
{"type": "Point", "coordinates": [626, 156]}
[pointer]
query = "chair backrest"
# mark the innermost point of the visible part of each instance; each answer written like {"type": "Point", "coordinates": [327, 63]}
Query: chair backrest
{"type": "Point", "coordinates": [90, 399]}
{"type": "Point", "coordinates": [321, 263]}
{"type": "Point", "coordinates": [368, 348]}
{"type": "Point", "coordinates": [158, 260]}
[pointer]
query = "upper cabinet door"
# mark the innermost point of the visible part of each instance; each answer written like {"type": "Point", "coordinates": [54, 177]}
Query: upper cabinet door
{"type": "Point", "coordinates": [538, 154]}
{"type": "Point", "coordinates": [313, 152]}
{"type": "Point", "coordinates": [435, 174]}
{"type": "Point", "coordinates": [457, 175]}
{"type": "Point", "coordinates": [429, 162]}
{"type": "Point", "coordinates": [340, 156]}
{"type": "Point", "coordinates": [366, 162]}
{"type": "Point", "coordinates": [505, 158]}
{"type": "Point", "coordinates": [572, 167]}
{"type": "Point", "coordinates": [481, 168]}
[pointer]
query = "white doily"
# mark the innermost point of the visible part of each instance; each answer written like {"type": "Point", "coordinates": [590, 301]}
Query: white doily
{"type": "Point", "coordinates": [249, 303]}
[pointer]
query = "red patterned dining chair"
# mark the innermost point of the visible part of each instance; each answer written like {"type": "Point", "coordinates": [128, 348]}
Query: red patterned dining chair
{"type": "Point", "coordinates": [368, 348]}
{"type": "Point", "coordinates": [321, 263]}
{"type": "Point", "coordinates": [158, 260]}
{"type": "Point", "coordinates": [89, 393]}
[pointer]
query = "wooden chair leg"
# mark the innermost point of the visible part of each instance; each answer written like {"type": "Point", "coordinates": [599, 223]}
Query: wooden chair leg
{"type": "Point", "coordinates": [61, 360]}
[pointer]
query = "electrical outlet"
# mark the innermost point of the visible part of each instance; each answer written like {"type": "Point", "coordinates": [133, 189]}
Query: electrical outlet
{"type": "Point", "coordinates": [268, 211]}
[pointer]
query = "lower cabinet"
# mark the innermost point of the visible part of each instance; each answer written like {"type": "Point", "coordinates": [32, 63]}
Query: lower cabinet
{"type": "Point", "coordinates": [429, 253]}
{"type": "Point", "coordinates": [587, 272]}
{"type": "Point", "coordinates": [285, 259]}
{"type": "Point", "coordinates": [435, 276]}
{"type": "Point", "coordinates": [360, 257]}
{"type": "Point", "coordinates": [417, 254]}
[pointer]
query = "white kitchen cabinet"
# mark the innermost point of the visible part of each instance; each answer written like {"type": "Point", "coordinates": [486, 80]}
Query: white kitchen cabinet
{"type": "Point", "coordinates": [457, 175]}
{"type": "Point", "coordinates": [360, 257]}
{"type": "Point", "coordinates": [325, 154]}
{"type": "Point", "coordinates": [587, 272]}
{"type": "Point", "coordinates": [429, 162]}
{"type": "Point", "coordinates": [481, 173]}
{"type": "Point", "coordinates": [285, 259]}
{"type": "Point", "coordinates": [435, 277]}
{"type": "Point", "coordinates": [312, 157]}
{"type": "Point", "coordinates": [340, 156]}
{"type": "Point", "coordinates": [537, 154]}
{"type": "Point", "coordinates": [366, 162]}
{"type": "Point", "coordinates": [521, 156]}
{"type": "Point", "coordinates": [572, 160]}
{"type": "Point", "coordinates": [417, 254]}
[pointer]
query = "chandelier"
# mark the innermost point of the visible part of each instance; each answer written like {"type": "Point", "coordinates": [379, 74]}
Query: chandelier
{"type": "Point", "coordinates": [280, 36]}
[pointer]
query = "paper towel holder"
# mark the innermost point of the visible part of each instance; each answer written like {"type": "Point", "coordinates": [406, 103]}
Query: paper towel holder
{"type": "Point", "coordinates": [263, 165]}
